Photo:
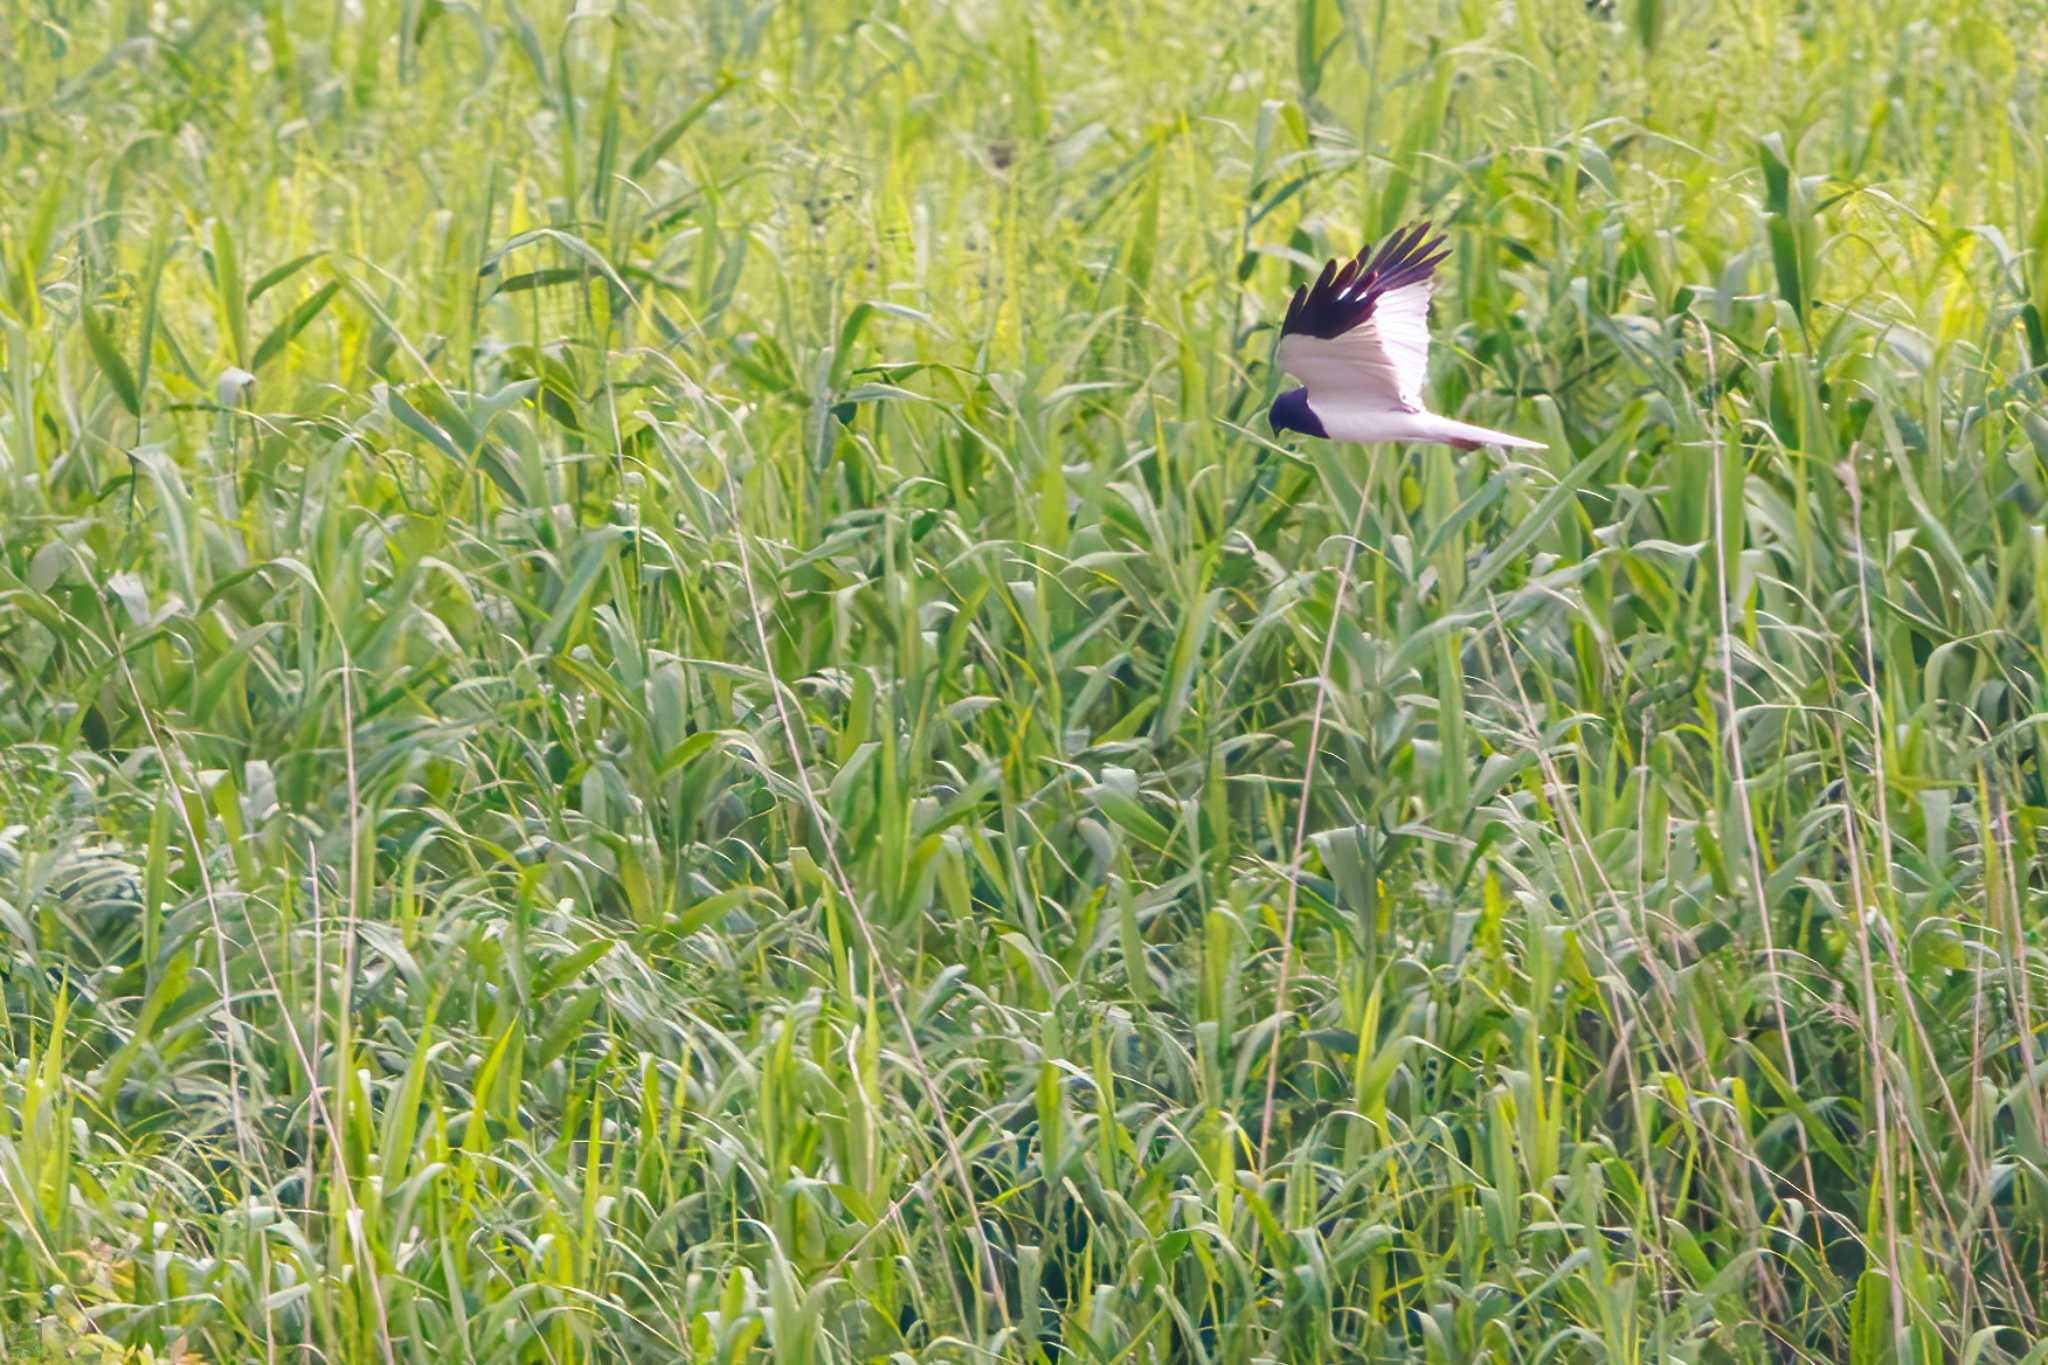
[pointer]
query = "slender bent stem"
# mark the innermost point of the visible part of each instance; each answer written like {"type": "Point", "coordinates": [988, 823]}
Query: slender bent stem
{"type": "Point", "coordinates": [1308, 779]}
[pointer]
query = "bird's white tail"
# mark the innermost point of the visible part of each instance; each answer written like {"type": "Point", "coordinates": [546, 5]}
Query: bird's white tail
{"type": "Point", "coordinates": [1464, 434]}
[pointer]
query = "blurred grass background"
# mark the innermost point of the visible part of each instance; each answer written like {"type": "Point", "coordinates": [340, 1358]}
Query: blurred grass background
{"type": "Point", "coordinates": [655, 673]}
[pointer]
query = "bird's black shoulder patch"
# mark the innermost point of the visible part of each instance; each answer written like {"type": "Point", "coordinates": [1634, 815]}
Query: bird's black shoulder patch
{"type": "Point", "coordinates": [1343, 296]}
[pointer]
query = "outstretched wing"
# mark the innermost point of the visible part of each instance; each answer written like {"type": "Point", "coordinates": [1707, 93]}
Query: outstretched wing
{"type": "Point", "coordinates": [1360, 333]}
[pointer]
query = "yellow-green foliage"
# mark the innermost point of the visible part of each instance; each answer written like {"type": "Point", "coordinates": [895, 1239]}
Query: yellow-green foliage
{"type": "Point", "coordinates": [655, 671]}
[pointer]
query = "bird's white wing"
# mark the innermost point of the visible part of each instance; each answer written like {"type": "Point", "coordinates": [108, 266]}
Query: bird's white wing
{"type": "Point", "coordinates": [1360, 334]}
{"type": "Point", "coordinates": [1380, 363]}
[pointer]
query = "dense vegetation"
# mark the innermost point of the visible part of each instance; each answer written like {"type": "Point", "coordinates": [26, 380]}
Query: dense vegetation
{"type": "Point", "coordinates": [656, 677]}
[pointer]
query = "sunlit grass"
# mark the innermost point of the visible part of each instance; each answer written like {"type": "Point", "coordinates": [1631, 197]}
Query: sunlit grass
{"type": "Point", "coordinates": [655, 678]}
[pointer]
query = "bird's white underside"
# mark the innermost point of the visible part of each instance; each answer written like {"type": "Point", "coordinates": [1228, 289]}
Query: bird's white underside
{"type": "Point", "coordinates": [1344, 421]}
{"type": "Point", "coordinates": [1366, 385]}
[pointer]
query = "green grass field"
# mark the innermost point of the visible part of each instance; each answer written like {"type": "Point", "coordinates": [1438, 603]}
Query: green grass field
{"type": "Point", "coordinates": [656, 674]}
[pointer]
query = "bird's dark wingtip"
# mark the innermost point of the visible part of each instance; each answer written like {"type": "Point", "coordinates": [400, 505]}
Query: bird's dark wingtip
{"type": "Point", "coordinates": [1343, 295]}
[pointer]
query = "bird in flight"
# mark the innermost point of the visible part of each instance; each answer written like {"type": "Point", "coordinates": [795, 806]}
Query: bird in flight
{"type": "Point", "coordinates": [1358, 340]}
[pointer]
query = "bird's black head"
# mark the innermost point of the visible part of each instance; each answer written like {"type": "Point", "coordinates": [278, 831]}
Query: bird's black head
{"type": "Point", "coordinates": [1291, 412]}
